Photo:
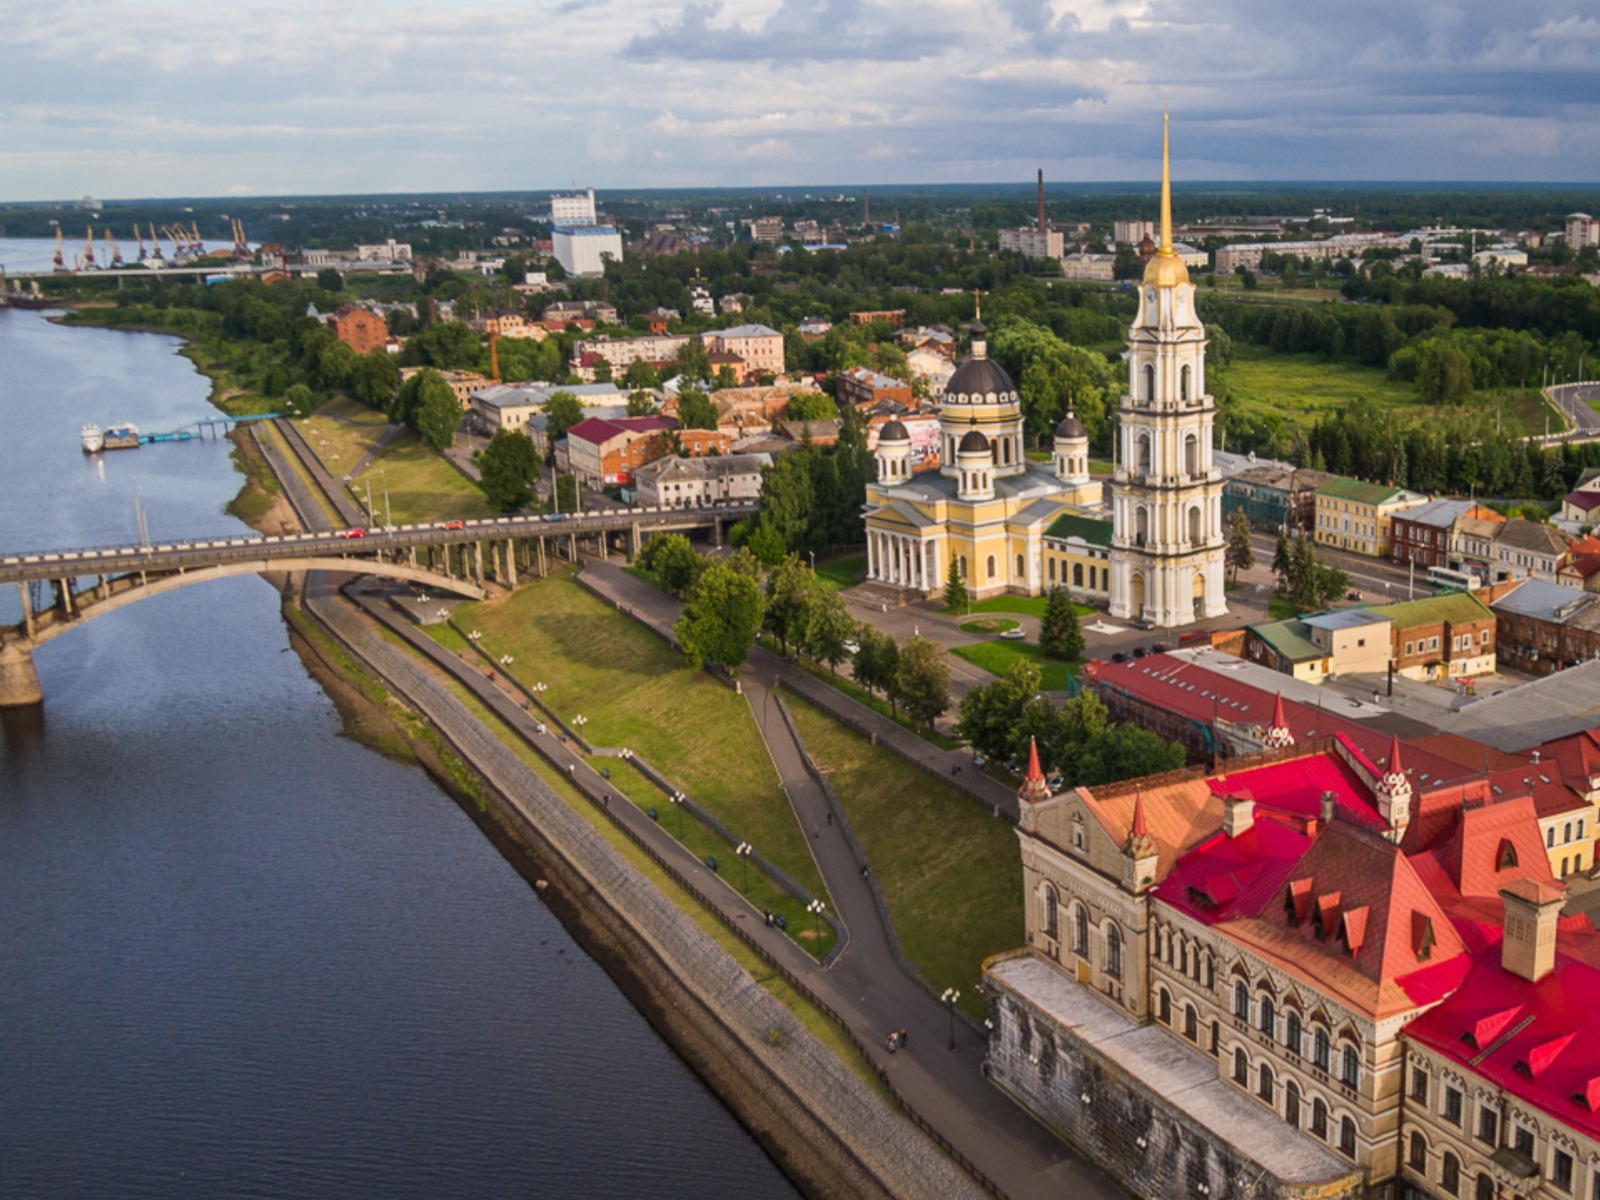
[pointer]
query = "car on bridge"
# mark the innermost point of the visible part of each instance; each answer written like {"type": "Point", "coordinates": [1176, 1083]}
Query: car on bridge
{"type": "Point", "coordinates": [354, 533]}
{"type": "Point", "coordinates": [453, 525]}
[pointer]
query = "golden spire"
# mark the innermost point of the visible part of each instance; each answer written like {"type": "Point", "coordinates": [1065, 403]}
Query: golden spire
{"type": "Point", "coordinates": [977, 305]}
{"type": "Point", "coordinates": [1166, 192]}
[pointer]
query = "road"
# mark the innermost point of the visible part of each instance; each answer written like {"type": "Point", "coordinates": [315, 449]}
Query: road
{"type": "Point", "coordinates": [1573, 400]}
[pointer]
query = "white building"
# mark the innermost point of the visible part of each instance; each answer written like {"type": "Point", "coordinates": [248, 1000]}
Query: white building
{"type": "Point", "coordinates": [1582, 230]}
{"type": "Point", "coordinates": [696, 482]}
{"type": "Point", "coordinates": [1131, 233]}
{"type": "Point", "coordinates": [388, 251]}
{"type": "Point", "coordinates": [573, 208]}
{"type": "Point", "coordinates": [584, 249]}
{"type": "Point", "coordinates": [1167, 550]}
{"type": "Point", "coordinates": [1089, 266]}
{"type": "Point", "coordinates": [1032, 242]}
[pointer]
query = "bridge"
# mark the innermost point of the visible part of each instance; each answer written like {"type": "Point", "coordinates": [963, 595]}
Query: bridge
{"type": "Point", "coordinates": [60, 589]}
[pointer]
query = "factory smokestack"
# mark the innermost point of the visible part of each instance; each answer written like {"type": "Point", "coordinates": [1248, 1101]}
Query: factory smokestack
{"type": "Point", "coordinates": [1041, 199]}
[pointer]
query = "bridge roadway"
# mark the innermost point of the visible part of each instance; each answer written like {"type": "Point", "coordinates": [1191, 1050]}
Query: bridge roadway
{"type": "Point", "coordinates": [350, 549]}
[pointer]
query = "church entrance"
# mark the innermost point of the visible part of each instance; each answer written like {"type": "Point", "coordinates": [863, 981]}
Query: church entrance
{"type": "Point", "coordinates": [1199, 594]}
{"type": "Point", "coordinates": [1136, 594]}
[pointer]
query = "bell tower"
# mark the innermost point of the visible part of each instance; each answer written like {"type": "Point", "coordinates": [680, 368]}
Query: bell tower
{"type": "Point", "coordinates": [1167, 548]}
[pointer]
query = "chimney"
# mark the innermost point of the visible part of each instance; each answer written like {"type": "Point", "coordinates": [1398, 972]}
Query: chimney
{"type": "Point", "coordinates": [1329, 804]}
{"type": "Point", "coordinates": [1238, 814]}
{"type": "Point", "coordinates": [1041, 199]}
{"type": "Point", "coordinates": [1528, 943]}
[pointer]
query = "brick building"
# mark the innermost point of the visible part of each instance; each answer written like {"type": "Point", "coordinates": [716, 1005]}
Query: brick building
{"type": "Point", "coordinates": [359, 328]}
{"type": "Point", "coordinates": [1426, 533]}
{"type": "Point", "coordinates": [1448, 636]}
{"type": "Point", "coordinates": [862, 388]}
{"type": "Point", "coordinates": [760, 348]}
{"type": "Point", "coordinates": [604, 452]}
{"type": "Point", "coordinates": [1274, 497]}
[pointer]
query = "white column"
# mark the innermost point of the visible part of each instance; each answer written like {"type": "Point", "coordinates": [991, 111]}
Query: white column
{"type": "Point", "coordinates": [922, 563]}
{"type": "Point", "coordinates": [871, 571]}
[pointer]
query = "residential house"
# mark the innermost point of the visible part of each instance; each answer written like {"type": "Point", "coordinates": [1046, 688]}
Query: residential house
{"type": "Point", "coordinates": [812, 328]}
{"type": "Point", "coordinates": [1089, 266]}
{"type": "Point", "coordinates": [514, 405]}
{"type": "Point", "coordinates": [462, 383]}
{"type": "Point", "coordinates": [1077, 557]}
{"type": "Point", "coordinates": [1355, 640]}
{"type": "Point", "coordinates": [359, 328]}
{"type": "Point", "coordinates": [1582, 569]}
{"type": "Point", "coordinates": [1448, 636]}
{"type": "Point", "coordinates": [1472, 544]}
{"type": "Point", "coordinates": [1530, 549]}
{"type": "Point", "coordinates": [932, 368]}
{"type": "Point", "coordinates": [696, 482]}
{"type": "Point", "coordinates": [623, 352]}
{"type": "Point", "coordinates": [761, 348]}
{"type": "Point", "coordinates": [862, 388]}
{"type": "Point", "coordinates": [1274, 497]}
{"type": "Point", "coordinates": [1425, 535]}
{"type": "Point", "coordinates": [1356, 516]}
{"type": "Point", "coordinates": [605, 452]}
{"type": "Point", "coordinates": [1286, 647]}
{"type": "Point", "coordinates": [1542, 627]}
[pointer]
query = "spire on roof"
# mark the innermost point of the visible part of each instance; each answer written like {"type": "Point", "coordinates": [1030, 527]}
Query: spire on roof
{"type": "Point", "coordinates": [1395, 768]}
{"type": "Point", "coordinates": [1141, 827]}
{"type": "Point", "coordinates": [1034, 789]}
{"type": "Point", "coordinates": [1166, 192]}
{"type": "Point", "coordinates": [1278, 735]}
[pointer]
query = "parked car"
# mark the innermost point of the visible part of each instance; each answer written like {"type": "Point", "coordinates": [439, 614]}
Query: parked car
{"type": "Point", "coordinates": [1138, 651]}
{"type": "Point", "coordinates": [1158, 647]}
{"type": "Point", "coordinates": [1119, 656]}
{"type": "Point", "coordinates": [852, 647]}
{"type": "Point", "coordinates": [1014, 635]}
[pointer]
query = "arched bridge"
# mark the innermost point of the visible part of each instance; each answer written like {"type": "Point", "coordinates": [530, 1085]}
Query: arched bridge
{"type": "Point", "coordinates": [62, 588]}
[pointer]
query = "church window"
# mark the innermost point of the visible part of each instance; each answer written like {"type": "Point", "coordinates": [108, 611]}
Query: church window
{"type": "Point", "coordinates": [1149, 385]}
{"type": "Point", "coordinates": [1052, 570]}
{"type": "Point", "coordinates": [991, 566]}
{"type": "Point", "coordinates": [1051, 912]}
{"type": "Point", "coordinates": [962, 563]}
{"type": "Point", "coordinates": [1022, 569]}
{"type": "Point", "coordinates": [1080, 930]}
{"type": "Point", "coordinates": [1183, 384]}
{"type": "Point", "coordinates": [1114, 951]}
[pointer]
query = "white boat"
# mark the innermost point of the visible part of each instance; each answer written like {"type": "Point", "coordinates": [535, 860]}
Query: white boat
{"type": "Point", "coordinates": [92, 439]}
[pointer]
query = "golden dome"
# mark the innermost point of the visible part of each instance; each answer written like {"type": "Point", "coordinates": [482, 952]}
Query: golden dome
{"type": "Point", "coordinates": [1165, 269]}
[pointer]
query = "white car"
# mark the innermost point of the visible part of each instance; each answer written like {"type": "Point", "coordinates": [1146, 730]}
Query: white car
{"type": "Point", "coordinates": [1015, 635]}
{"type": "Point", "coordinates": [853, 647]}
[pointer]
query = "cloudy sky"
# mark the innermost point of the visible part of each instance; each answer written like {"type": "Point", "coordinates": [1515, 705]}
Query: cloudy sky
{"type": "Point", "coordinates": [124, 98]}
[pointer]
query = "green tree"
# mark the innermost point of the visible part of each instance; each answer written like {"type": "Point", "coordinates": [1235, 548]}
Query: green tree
{"type": "Point", "coordinates": [811, 406]}
{"type": "Point", "coordinates": [438, 414]}
{"type": "Point", "coordinates": [828, 627]}
{"type": "Point", "coordinates": [640, 404]}
{"type": "Point", "coordinates": [876, 661]}
{"type": "Point", "coordinates": [694, 361]}
{"type": "Point", "coordinates": [1283, 561]}
{"type": "Point", "coordinates": [719, 622]}
{"type": "Point", "coordinates": [672, 559]}
{"type": "Point", "coordinates": [374, 379]}
{"type": "Point", "coordinates": [1125, 752]}
{"type": "Point", "coordinates": [767, 544]}
{"type": "Point", "coordinates": [563, 411]}
{"type": "Point", "coordinates": [989, 714]}
{"type": "Point", "coordinates": [956, 595]}
{"type": "Point", "coordinates": [790, 594]}
{"type": "Point", "coordinates": [298, 399]}
{"type": "Point", "coordinates": [508, 466]}
{"type": "Point", "coordinates": [568, 498]}
{"type": "Point", "coordinates": [922, 679]}
{"type": "Point", "coordinates": [329, 280]}
{"type": "Point", "coordinates": [1240, 554]}
{"type": "Point", "coordinates": [1060, 634]}
{"type": "Point", "coordinates": [641, 376]}
{"type": "Point", "coordinates": [695, 410]}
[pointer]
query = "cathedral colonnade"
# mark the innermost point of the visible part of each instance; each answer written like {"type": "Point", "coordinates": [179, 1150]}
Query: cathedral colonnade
{"type": "Point", "coordinates": [903, 559]}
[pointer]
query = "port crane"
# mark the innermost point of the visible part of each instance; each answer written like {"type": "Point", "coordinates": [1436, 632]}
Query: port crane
{"type": "Point", "coordinates": [116, 250]}
{"type": "Point", "coordinates": [241, 246]}
{"type": "Point", "coordinates": [59, 261]}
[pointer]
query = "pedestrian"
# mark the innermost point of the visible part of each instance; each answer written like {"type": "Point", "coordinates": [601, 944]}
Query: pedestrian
{"type": "Point", "coordinates": [830, 816]}
{"type": "Point", "coordinates": [916, 631]}
{"type": "Point", "coordinates": [902, 1039]}
{"type": "Point", "coordinates": [890, 1042]}
{"type": "Point", "coordinates": [954, 770]}
{"type": "Point", "coordinates": [606, 800]}
{"type": "Point", "coordinates": [816, 831]}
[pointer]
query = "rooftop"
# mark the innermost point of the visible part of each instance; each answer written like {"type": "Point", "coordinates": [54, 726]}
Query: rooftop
{"type": "Point", "coordinates": [1360, 492]}
{"type": "Point", "coordinates": [1088, 529]}
{"type": "Point", "coordinates": [1456, 608]}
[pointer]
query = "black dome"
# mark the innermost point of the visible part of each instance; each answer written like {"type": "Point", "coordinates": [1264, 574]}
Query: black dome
{"type": "Point", "coordinates": [1071, 427]}
{"type": "Point", "coordinates": [893, 431]}
{"type": "Point", "coordinates": [973, 443]}
{"type": "Point", "coordinates": [979, 378]}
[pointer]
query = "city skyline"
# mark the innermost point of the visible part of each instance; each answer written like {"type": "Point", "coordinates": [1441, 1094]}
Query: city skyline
{"type": "Point", "coordinates": [282, 97]}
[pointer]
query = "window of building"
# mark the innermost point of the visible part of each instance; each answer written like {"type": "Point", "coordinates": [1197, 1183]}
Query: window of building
{"type": "Point", "coordinates": [1347, 1137]}
{"type": "Point", "coordinates": [1550, 838]}
{"type": "Point", "coordinates": [1452, 1105]}
{"type": "Point", "coordinates": [1418, 1158]}
{"type": "Point", "coordinates": [1164, 1007]}
{"type": "Point", "coordinates": [991, 566]}
{"type": "Point", "coordinates": [1268, 1016]}
{"type": "Point", "coordinates": [1291, 1103]}
{"type": "Point", "coordinates": [1241, 1067]}
{"type": "Point", "coordinates": [1241, 1000]}
{"type": "Point", "coordinates": [1488, 1125]}
{"type": "Point", "coordinates": [1523, 1141]}
{"type": "Point", "coordinates": [1320, 1049]}
{"type": "Point", "coordinates": [1080, 930]}
{"type": "Point", "coordinates": [1191, 1023]}
{"type": "Point", "coordinates": [1350, 1067]}
{"type": "Point", "coordinates": [1022, 569]}
{"type": "Point", "coordinates": [1561, 1170]}
{"type": "Point", "coordinates": [1264, 1084]}
{"type": "Point", "coordinates": [1291, 1031]}
{"type": "Point", "coordinates": [1319, 1118]}
{"type": "Point", "coordinates": [1114, 952]}
{"type": "Point", "coordinates": [1419, 1085]}
{"type": "Point", "coordinates": [1485, 1190]}
{"type": "Point", "coordinates": [1450, 1174]}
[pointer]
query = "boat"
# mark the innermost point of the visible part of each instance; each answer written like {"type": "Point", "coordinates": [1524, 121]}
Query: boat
{"type": "Point", "coordinates": [92, 439]}
{"type": "Point", "coordinates": [121, 437]}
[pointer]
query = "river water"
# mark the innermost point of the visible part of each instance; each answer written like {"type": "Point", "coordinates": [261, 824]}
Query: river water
{"type": "Point", "coordinates": [239, 954]}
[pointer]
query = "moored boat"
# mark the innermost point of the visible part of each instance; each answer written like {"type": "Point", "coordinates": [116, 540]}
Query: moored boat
{"type": "Point", "coordinates": [91, 438]}
{"type": "Point", "coordinates": [121, 437]}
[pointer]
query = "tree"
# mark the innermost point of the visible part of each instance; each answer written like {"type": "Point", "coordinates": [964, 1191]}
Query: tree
{"type": "Point", "coordinates": [956, 595]}
{"type": "Point", "coordinates": [329, 280]}
{"type": "Point", "coordinates": [922, 679]}
{"type": "Point", "coordinates": [563, 411]}
{"type": "Point", "coordinates": [374, 379]}
{"type": "Point", "coordinates": [641, 376]}
{"type": "Point", "coordinates": [767, 544]}
{"type": "Point", "coordinates": [1283, 561]}
{"type": "Point", "coordinates": [694, 361]}
{"type": "Point", "coordinates": [828, 627]}
{"type": "Point", "coordinates": [990, 714]}
{"type": "Point", "coordinates": [719, 622]}
{"type": "Point", "coordinates": [507, 467]}
{"type": "Point", "coordinates": [695, 410]}
{"type": "Point", "coordinates": [1240, 554]}
{"type": "Point", "coordinates": [1125, 752]}
{"type": "Point", "coordinates": [790, 593]}
{"type": "Point", "coordinates": [672, 559]}
{"type": "Point", "coordinates": [1060, 634]}
{"type": "Point", "coordinates": [811, 406]}
{"type": "Point", "coordinates": [427, 405]}
{"type": "Point", "coordinates": [567, 498]}
{"type": "Point", "coordinates": [299, 399]}
{"type": "Point", "coordinates": [640, 404]}
{"type": "Point", "coordinates": [876, 661]}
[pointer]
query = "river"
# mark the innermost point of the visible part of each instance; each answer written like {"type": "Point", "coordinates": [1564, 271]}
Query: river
{"type": "Point", "coordinates": [242, 955]}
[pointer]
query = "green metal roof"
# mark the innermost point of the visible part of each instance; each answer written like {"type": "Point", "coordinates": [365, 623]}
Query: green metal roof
{"type": "Point", "coordinates": [1364, 493]}
{"type": "Point", "coordinates": [1290, 639]}
{"type": "Point", "coordinates": [1458, 608]}
{"type": "Point", "coordinates": [1096, 533]}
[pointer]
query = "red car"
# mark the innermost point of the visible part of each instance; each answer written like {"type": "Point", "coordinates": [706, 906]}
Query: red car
{"type": "Point", "coordinates": [453, 525]}
{"type": "Point", "coordinates": [354, 533]}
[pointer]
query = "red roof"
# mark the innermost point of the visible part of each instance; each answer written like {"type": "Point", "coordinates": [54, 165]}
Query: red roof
{"type": "Point", "coordinates": [599, 430]}
{"type": "Point", "coordinates": [1583, 500]}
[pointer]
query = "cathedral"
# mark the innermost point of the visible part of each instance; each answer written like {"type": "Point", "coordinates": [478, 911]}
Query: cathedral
{"type": "Point", "coordinates": [1011, 525]}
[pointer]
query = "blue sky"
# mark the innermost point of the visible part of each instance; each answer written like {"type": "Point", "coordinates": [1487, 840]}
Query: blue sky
{"type": "Point", "coordinates": [121, 98]}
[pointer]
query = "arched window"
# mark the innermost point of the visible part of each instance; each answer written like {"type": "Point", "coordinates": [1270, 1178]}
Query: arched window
{"type": "Point", "coordinates": [1264, 1084]}
{"type": "Point", "coordinates": [1418, 1158]}
{"type": "Point", "coordinates": [1114, 951]}
{"type": "Point", "coordinates": [1319, 1118]}
{"type": "Point", "coordinates": [1080, 930]}
{"type": "Point", "coordinates": [1485, 1187]}
{"type": "Point", "coordinates": [1164, 1007]}
{"type": "Point", "coordinates": [1450, 1174]}
{"type": "Point", "coordinates": [1291, 1103]}
{"type": "Point", "coordinates": [1319, 1049]}
{"type": "Point", "coordinates": [1241, 1000]}
{"type": "Point", "coordinates": [1183, 384]}
{"type": "Point", "coordinates": [1191, 450]}
{"type": "Point", "coordinates": [1350, 1066]}
{"type": "Point", "coordinates": [1241, 1066]}
{"type": "Point", "coordinates": [1268, 1016]}
{"type": "Point", "coordinates": [1141, 525]}
{"type": "Point", "coordinates": [1051, 569]}
{"type": "Point", "coordinates": [1211, 972]}
{"type": "Point", "coordinates": [1347, 1137]}
{"type": "Point", "coordinates": [991, 566]}
{"type": "Point", "coordinates": [1191, 1023]}
{"type": "Point", "coordinates": [1216, 1036]}
{"type": "Point", "coordinates": [1291, 1031]}
{"type": "Point", "coordinates": [962, 563]}
{"type": "Point", "coordinates": [1196, 526]}
{"type": "Point", "coordinates": [1077, 575]}
{"type": "Point", "coordinates": [1141, 454]}
{"type": "Point", "coordinates": [1022, 568]}
{"type": "Point", "coordinates": [1051, 913]}
{"type": "Point", "coordinates": [1149, 384]}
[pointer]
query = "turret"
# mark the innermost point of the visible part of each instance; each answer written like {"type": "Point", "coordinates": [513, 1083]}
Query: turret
{"type": "Point", "coordinates": [1394, 793]}
{"type": "Point", "coordinates": [1277, 735]}
{"type": "Point", "coordinates": [893, 455]}
{"type": "Point", "coordinates": [1138, 852]}
{"type": "Point", "coordinates": [1072, 451]}
{"type": "Point", "coordinates": [975, 465]}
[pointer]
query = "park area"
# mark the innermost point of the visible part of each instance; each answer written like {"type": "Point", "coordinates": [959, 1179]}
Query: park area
{"type": "Point", "coordinates": [1055, 675]}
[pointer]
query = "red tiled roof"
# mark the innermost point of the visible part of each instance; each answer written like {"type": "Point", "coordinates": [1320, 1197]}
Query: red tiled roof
{"type": "Point", "coordinates": [1583, 500]}
{"type": "Point", "coordinates": [599, 430]}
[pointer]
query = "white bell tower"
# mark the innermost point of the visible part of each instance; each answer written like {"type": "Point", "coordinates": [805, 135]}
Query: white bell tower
{"type": "Point", "coordinates": [1167, 548]}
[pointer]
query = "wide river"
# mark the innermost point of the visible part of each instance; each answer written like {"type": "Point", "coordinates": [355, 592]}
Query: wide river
{"type": "Point", "coordinates": [239, 954]}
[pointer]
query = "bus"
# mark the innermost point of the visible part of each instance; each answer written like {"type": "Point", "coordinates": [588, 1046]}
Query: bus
{"type": "Point", "coordinates": [1449, 577]}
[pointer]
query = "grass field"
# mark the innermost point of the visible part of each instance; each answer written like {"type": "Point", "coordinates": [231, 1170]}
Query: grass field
{"type": "Point", "coordinates": [1299, 389]}
{"type": "Point", "coordinates": [948, 869]}
{"type": "Point", "coordinates": [338, 443]}
{"type": "Point", "coordinates": [844, 572]}
{"type": "Point", "coordinates": [422, 485]}
{"type": "Point", "coordinates": [988, 625]}
{"type": "Point", "coordinates": [638, 693]}
{"type": "Point", "coordinates": [998, 657]}
{"type": "Point", "coordinates": [1028, 606]}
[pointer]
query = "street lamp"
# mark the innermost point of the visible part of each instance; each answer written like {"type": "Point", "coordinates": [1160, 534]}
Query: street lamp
{"type": "Point", "coordinates": [813, 554]}
{"type": "Point", "coordinates": [388, 514]}
{"type": "Point", "coordinates": [743, 851]}
{"type": "Point", "coordinates": [815, 909]}
{"type": "Point", "coordinates": [677, 799]}
{"type": "Point", "coordinates": [949, 997]}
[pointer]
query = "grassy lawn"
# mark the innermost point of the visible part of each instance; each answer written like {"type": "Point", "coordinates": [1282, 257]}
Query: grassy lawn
{"type": "Point", "coordinates": [1298, 389]}
{"type": "Point", "coordinates": [338, 444]}
{"type": "Point", "coordinates": [948, 869]}
{"type": "Point", "coordinates": [988, 625]}
{"type": "Point", "coordinates": [878, 705]}
{"type": "Point", "coordinates": [422, 485]}
{"type": "Point", "coordinates": [637, 692]}
{"type": "Point", "coordinates": [997, 658]}
{"type": "Point", "coordinates": [844, 572]}
{"type": "Point", "coordinates": [809, 1015]}
{"type": "Point", "coordinates": [271, 435]}
{"type": "Point", "coordinates": [1279, 609]}
{"type": "Point", "coordinates": [1028, 606]}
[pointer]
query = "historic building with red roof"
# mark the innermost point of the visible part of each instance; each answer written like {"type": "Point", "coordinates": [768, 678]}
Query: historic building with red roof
{"type": "Point", "coordinates": [1338, 968]}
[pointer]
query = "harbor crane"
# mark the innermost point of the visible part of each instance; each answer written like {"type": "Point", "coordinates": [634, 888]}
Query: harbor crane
{"type": "Point", "coordinates": [241, 246]}
{"type": "Point", "coordinates": [58, 259]}
{"type": "Point", "coordinates": [116, 250]}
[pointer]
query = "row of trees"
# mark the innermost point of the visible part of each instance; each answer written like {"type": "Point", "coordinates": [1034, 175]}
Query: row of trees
{"type": "Point", "coordinates": [1305, 579]}
{"type": "Point", "coordinates": [1078, 739]}
{"type": "Point", "coordinates": [913, 675]}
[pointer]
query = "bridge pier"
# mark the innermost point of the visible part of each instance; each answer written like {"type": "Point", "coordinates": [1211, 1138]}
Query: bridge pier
{"type": "Point", "coordinates": [27, 609]}
{"type": "Point", "coordinates": [477, 563]}
{"type": "Point", "coordinates": [19, 681]}
{"type": "Point", "coordinates": [511, 562]}
{"type": "Point", "coordinates": [633, 552]}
